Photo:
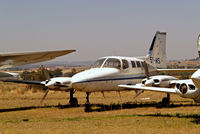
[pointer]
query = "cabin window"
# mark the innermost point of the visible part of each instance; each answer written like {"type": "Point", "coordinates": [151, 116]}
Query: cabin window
{"type": "Point", "coordinates": [133, 64]}
{"type": "Point", "coordinates": [138, 64]}
{"type": "Point", "coordinates": [98, 63]}
{"type": "Point", "coordinates": [125, 64]}
{"type": "Point", "coordinates": [142, 63]}
{"type": "Point", "coordinates": [111, 62]}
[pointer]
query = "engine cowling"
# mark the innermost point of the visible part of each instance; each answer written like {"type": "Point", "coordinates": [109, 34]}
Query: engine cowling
{"type": "Point", "coordinates": [159, 81]}
{"type": "Point", "coordinates": [59, 83]}
{"type": "Point", "coordinates": [187, 89]}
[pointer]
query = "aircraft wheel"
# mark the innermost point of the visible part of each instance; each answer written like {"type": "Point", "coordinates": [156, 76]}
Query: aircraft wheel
{"type": "Point", "coordinates": [165, 102]}
{"type": "Point", "coordinates": [87, 107]}
{"type": "Point", "coordinates": [74, 102]}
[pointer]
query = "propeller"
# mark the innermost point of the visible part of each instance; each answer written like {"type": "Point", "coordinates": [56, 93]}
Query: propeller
{"type": "Point", "coordinates": [138, 92]}
{"type": "Point", "coordinates": [47, 91]}
{"type": "Point", "coordinates": [146, 70]}
{"type": "Point", "coordinates": [183, 88]}
{"type": "Point", "coordinates": [46, 74]}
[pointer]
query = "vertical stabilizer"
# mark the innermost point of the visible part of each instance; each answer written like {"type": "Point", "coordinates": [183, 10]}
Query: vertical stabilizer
{"type": "Point", "coordinates": [157, 52]}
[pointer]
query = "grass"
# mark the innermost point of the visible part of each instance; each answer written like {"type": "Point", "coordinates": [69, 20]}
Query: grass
{"type": "Point", "coordinates": [23, 113]}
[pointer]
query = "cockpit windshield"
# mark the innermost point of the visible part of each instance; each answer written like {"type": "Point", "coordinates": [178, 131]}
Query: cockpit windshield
{"type": "Point", "coordinates": [111, 62]}
{"type": "Point", "coordinates": [98, 63]}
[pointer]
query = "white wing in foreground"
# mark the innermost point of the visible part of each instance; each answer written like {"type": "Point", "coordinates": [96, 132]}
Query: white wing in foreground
{"type": "Point", "coordinates": [11, 60]}
{"type": "Point", "coordinates": [145, 88]}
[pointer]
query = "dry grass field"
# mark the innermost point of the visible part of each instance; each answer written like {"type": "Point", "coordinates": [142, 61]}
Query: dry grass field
{"type": "Point", "coordinates": [21, 112]}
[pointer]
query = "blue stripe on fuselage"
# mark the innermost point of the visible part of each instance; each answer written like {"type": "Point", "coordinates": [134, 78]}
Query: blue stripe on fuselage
{"type": "Point", "coordinates": [115, 78]}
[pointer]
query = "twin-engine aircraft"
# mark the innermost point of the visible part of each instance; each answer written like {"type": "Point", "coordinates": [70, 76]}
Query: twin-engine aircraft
{"type": "Point", "coordinates": [108, 73]}
{"type": "Point", "coordinates": [17, 59]}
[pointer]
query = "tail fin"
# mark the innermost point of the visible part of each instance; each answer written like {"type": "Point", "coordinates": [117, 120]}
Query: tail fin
{"type": "Point", "coordinates": [157, 52]}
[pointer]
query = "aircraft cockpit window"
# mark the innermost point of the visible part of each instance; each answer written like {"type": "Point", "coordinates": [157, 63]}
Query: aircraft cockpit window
{"type": "Point", "coordinates": [133, 64]}
{"type": "Point", "coordinates": [125, 64]}
{"type": "Point", "coordinates": [98, 63]}
{"type": "Point", "coordinates": [111, 62]}
{"type": "Point", "coordinates": [138, 64]}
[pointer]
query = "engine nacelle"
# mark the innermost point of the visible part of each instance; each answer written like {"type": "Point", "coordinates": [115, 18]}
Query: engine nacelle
{"type": "Point", "coordinates": [159, 81]}
{"type": "Point", "coordinates": [187, 89]}
{"type": "Point", "coordinates": [59, 83]}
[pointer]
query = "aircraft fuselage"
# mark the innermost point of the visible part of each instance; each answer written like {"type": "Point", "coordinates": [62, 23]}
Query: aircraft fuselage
{"type": "Point", "coordinates": [109, 72]}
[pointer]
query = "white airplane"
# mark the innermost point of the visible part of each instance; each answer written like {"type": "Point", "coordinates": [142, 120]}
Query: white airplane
{"type": "Point", "coordinates": [189, 88]}
{"type": "Point", "coordinates": [17, 59]}
{"type": "Point", "coordinates": [109, 72]}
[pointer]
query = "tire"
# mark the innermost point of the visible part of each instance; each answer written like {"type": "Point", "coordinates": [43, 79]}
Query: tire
{"type": "Point", "coordinates": [165, 102]}
{"type": "Point", "coordinates": [74, 102]}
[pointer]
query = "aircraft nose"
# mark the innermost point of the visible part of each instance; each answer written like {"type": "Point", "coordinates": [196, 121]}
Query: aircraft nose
{"type": "Point", "coordinates": [78, 81]}
{"type": "Point", "coordinates": [83, 79]}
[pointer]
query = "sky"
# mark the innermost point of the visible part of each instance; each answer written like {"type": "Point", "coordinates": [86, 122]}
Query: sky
{"type": "Point", "coordinates": [97, 28]}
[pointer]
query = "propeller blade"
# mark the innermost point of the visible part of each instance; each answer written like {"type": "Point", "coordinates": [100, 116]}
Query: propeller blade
{"type": "Point", "coordinates": [146, 70]}
{"type": "Point", "coordinates": [45, 72]}
{"type": "Point", "coordinates": [138, 92]}
{"type": "Point", "coordinates": [44, 96]}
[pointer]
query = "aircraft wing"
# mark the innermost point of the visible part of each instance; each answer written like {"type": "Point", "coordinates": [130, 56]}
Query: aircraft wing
{"type": "Point", "coordinates": [145, 88]}
{"type": "Point", "coordinates": [11, 60]}
{"type": "Point", "coordinates": [26, 82]}
{"type": "Point", "coordinates": [177, 70]}
{"type": "Point", "coordinates": [60, 87]}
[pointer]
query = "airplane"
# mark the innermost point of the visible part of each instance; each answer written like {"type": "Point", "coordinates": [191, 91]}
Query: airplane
{"type": "Point", "coordinates": [109, 72]}
{"type": "Point", "coordinates": [17, 59]}
{"type": "Point", "coordinates": [188, 88]}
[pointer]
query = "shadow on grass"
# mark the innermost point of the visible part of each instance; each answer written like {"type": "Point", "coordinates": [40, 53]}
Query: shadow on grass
{"type": "Point", "coordinates": [195, 117]}
{"type": "Point", "coordinates": [35, 107]}
{"type": "Point", "coordinates": [102, 107]}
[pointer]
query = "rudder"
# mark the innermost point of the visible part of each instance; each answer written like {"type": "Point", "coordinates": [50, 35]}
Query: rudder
{"type": "Point", "coordinates": [157, 52]}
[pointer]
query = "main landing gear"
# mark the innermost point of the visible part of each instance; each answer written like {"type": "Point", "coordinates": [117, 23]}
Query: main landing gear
{"type": "Point", "coordinates": [87, 104]}
{"type": "Point", "coordinates": [166, 100]}
{"type": "Point", "coordinates": [73, 101]}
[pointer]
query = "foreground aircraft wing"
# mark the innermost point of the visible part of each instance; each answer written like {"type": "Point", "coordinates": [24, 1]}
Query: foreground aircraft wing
{"type": "Point", "coordinates": [11, 60]}
{"type": "Point", "coordinates": [145, 88]}
{"type": "Point", "coordinates": [176, 70]}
